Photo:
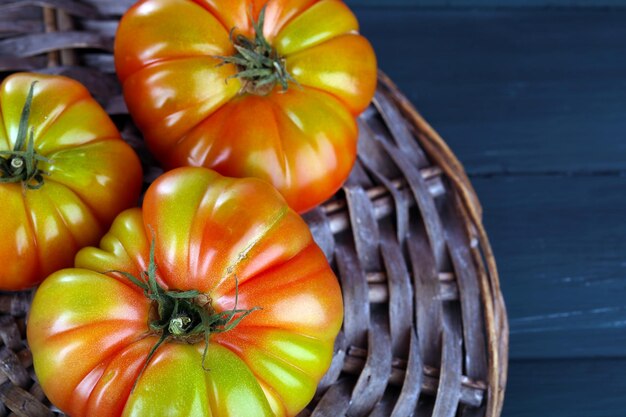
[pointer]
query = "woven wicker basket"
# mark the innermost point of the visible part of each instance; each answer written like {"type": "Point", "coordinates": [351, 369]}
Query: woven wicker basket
{"type": "Point", "coordinates": [425, 330]}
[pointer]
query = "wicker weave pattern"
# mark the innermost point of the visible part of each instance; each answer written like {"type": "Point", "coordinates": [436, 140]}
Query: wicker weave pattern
{"type": "Point", "coordinates": [425, 331]}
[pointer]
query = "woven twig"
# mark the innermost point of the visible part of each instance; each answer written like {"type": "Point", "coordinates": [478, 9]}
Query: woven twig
{"type": "Point", "coordinates": [425, 330]}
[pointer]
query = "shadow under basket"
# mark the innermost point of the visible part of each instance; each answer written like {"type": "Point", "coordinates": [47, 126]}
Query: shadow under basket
{"type": "Point", "coordinates": [425, 330]}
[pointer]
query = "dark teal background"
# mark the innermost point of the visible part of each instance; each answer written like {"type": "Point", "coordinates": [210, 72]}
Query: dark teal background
{"type": "Point", "coordinates": [533, 102]}
{"type": "Point", "coordinates": [489, 3]}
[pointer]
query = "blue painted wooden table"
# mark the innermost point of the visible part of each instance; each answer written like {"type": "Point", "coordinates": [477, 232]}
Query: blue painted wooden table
{"type": "Point", "coordinates": [533, 102]}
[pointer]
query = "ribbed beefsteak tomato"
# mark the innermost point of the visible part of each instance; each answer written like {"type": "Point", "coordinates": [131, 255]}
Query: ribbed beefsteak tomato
{"type": "Point", "coordinates": [65, 174]}
{"type": "Point", "coordinates": [259, 88]}
{"type": "Point", "coordinates": [219, 279]}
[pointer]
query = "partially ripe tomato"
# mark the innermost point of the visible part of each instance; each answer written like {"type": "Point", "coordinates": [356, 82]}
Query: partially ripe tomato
{"type": "Point", "coordinates": [212, 300]}
{"type": "Point", "coordinates": [258, 88]}
{"type": "Point", "coordinates": [65, 173]}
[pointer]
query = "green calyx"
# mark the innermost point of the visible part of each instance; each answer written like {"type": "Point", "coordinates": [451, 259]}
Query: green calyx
{"type": "Point", "coordinates": [259, 66]}
{"type": "Point", "coordinates": [184, 316]}
{"type": "Point", "coordinates": [21, 165]}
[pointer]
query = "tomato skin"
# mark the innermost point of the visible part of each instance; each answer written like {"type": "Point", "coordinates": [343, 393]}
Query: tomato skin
{"type": "Point", "coordinates": [93, 175]}
{"type": "Point", "coordinates": [88, 329]}
{"type": "Point", "coordinates": [192, 113]}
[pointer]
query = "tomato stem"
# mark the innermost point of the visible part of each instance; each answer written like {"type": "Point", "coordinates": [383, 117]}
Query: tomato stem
{"type": "Point", "coordinates": [186, 316]}
{"type": "Point", "coordinates": [259, 65]}
{"type": "Point", "coordinates": [21, 165]}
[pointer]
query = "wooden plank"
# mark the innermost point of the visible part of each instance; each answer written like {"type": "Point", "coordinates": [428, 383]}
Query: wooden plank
{"type": "Point", "coordinates": [487, 3]}
{"type": "Point", "coordinates": [513, 92]}
{"type": "Point", "coordinates": [567, 388]}
{"type": "Point", "coordinates": [561, 250]}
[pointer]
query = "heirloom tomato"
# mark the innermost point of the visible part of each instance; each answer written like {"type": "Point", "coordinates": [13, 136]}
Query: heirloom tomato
{"type": "Point", "coordinates": [65, 174]}
{"type": "Point", "coordinates": [250, 88]}
{"type": "Point", "coordinates": [211, 300]}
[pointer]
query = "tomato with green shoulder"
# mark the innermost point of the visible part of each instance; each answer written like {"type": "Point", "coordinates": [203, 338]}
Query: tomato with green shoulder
{"type": "Point", "coordinates": [249, 88]}
{"type": "Point", "coordinates": [65, 173]}
{"type": "Point", "coordinates": [211, 300]}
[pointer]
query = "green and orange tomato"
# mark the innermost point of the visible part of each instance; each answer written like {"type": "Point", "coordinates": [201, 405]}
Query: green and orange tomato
{"type": "Point", "coordinates": [65, 173]}
{"type": "Point", "coordinates": [202, 246]}
{"type": "Point", "coordinates": [267, 89]}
